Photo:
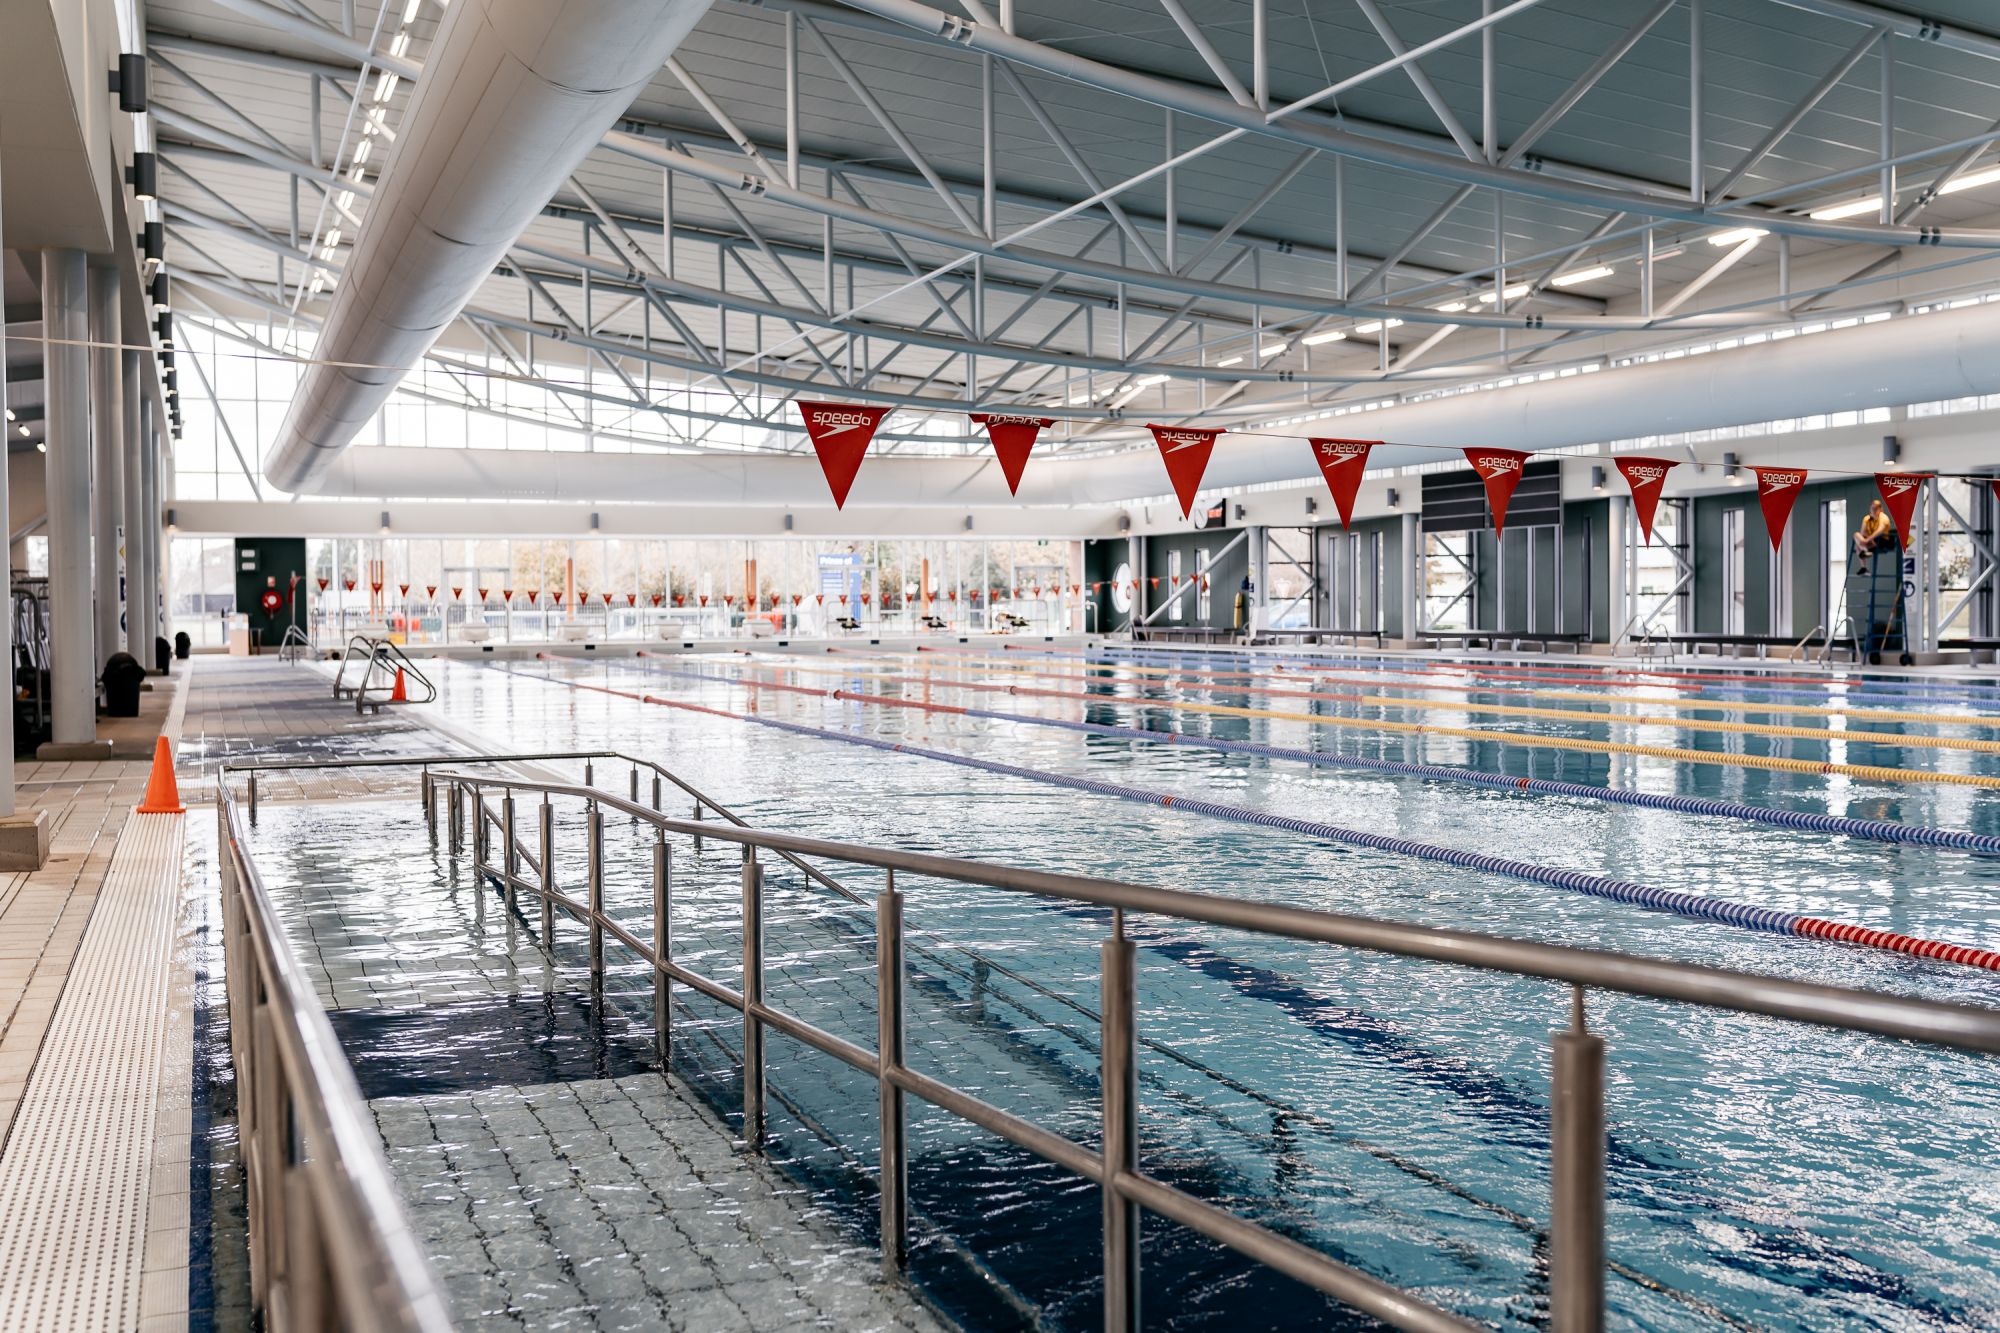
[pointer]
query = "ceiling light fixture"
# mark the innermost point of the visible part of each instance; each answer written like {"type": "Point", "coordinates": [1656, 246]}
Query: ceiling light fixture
{"type": "Point", "coordinates": [159, 293]}
{"type": "Point", "coordinates": [1449, 307]}
{"type": "Point", "coordinates": [129, 82]}
{"type": "Point", "coordinates": [1330, 336]}
{"type": "Point", "coordinates": [1376, 326]}
{"type": "Point", "coordinates": [1736, 237]}
{"type": "Point", "coordinates": [1230, 361]}
{"type": "Point", "coordinates": [1148, 381]}
{"type": "Point", "coordinates": [1582, 275]}
{"type": "Point", "coordinates": [1274, 349]}
{"type": "Point", "coordinates": [1853, 208]}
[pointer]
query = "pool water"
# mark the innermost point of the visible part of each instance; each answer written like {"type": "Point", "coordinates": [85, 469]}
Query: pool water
{"type": "Point", "coordinates": [1390, 1113]}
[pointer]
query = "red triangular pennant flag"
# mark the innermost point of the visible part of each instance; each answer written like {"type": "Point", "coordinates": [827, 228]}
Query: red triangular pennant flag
{"type": "Point", "coordinates": [1500, 469]}
{"type": "Point", "coordinates": [631, 599]}
{"type": "Point", "coordinates": [482, 594]}
{"type": "Point", "coordinates": [376, 588]}
{"type": "Point", "coordinates": [606, 596]}
{"type": "Point", "coordinates": [556, 597]}
{"type": "Point", "coordinates": [507, 594]}
{"type": "Point", "coordinates": [840, 434]}
{"type": "Point", "coordinates": [656, 599]}
{"type": "Point", "coordinates": [323, 583]}
{"type": "Point", "coordinates": [1342, 462]}
{"type": "Point", "coordinates": [1013, 437]}
{"type": "Point", "coordinates": [533, 593]}
{"type": "Point", "coordinates": [350, 585]}
{"type": "Point", "coordinates": [1647, 477]}
{"type": "Point", "coordinates": [1777, 491]}
{"type": "Point", "coordinates": [456, 592]}
{"type": "Point", "coordinates": [430, 589]}
{"type": "Point", "coordinates": [405, 587]}
{"type": "Point", "coordinates": [1185, 451]}
{"type": "Point", "coordinates": [1899, 496]}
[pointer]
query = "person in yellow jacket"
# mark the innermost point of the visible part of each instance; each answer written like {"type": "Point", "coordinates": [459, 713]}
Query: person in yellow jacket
{"type": "Point", "coordinates": [1878, 531]}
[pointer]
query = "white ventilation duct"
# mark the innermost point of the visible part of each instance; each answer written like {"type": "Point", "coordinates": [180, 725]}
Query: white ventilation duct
{"type": "Point", "coordinates": [513, 95]}
{"type": "Point", "coordinates": [1943, 355]}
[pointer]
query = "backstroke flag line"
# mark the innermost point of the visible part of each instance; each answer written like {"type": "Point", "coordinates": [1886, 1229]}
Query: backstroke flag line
{"type": "Point", "coordinates": [1013, 438]}
{"type": "Point", "coordinates": [1185, 451]}
{"type": "Point", "coordinates": [840, 436]}
{"type": "Point", "coordinates": [1342, 462]}
{"type": "Point", "coordinates": [1900, 491]}
{"type": "Point", "coordinates": [1500, 469]}
{"type": "Point", "coordinates": [1777, 491]}
{"type": "Point", "coordinates": [1647, 477]}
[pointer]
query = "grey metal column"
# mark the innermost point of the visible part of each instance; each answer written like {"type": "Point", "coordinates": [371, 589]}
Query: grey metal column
{"type": "Point", "coordinates": [107, 432]}
{"type": "Point", "coordinates": [1413, 577]}
{"type": "Point", "coordinates": [147, 598]}
{"type": "Point", "coordinates": [1618, 567]}
{"type": "Point", "coordinates": [133, 441]}
{"type": "Point", "coordinates": [73, 663]}
{"type": "Point", "coordinates": [6, 605]}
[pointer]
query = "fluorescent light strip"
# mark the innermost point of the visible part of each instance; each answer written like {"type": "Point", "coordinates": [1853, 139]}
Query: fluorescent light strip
{"type": "Point", "coordinates": [1330, 336]}
{"type": "Point", "coordinates": [1582, 275]}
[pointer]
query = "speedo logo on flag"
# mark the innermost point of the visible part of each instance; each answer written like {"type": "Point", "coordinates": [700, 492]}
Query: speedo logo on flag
{"type": "Point", "coordinates": [1493, 467]}
{"type": "Point", "coordinates": [840, 435]}
{"type": "Point", "coordinates": [1899, 485]}
{"type": "Point", "coordinates": [1645, 475]}
{"type": "Point", "coordinates": [1777, 481]}
{"type": "Point", "coordinates": [1001, 419]}
{"type": "Point", "coordinates": [1337, 453]}
{"type": "Point", "coordinates": [1183, 439]}
{"type": "Point", "coordinates": [833, 423]}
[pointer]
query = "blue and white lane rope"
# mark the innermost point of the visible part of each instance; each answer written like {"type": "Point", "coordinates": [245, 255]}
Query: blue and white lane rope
{"type": "Point", "coordinates": [1691, 905]}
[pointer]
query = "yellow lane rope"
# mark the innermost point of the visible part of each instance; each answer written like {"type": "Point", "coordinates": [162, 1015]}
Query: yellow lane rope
{"type": "Point", "coordinates": [1858, 734]}
{"type": "Point", "coordinates": [1869, 772]}
{"type": "Point", "coordinates": [932, 662]}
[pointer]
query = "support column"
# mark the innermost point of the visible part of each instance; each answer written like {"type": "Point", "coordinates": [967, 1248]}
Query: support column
{"type": "Point", "coordinates": [132, 441]}
{"type": "Point", "coordinates": [72, 660]}
{"type": "Point", "coordinates": [142, 536]}
{"type": "Point", "coordinates": [1413, 577]}
{"type": "Point", "coordinates": [107, 433]}
{"type": "Point", "coordinates": [1260, 580]}
{"type": "Point", "coordinates": [1618, 567]}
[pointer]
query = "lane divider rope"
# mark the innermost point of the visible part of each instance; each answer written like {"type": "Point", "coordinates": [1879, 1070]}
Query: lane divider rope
{"type": "Point", "coordinates": [1936, 692]}
{"type": "Point", "coordinates": [1874, 830]}
{"type": "Point", "coordinates": [1696, 906]}
{"type": "Point", "coordinates": [1190, 678]}
{"type": "Point", "coordinates": [1775, 763]}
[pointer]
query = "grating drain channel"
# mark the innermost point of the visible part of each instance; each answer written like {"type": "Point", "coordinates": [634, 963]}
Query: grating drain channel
{"type": "Point", "coordinates": [73, 1181]}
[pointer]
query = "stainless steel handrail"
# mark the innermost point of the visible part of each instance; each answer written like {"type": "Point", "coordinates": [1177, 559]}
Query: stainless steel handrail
{"type": "Point", "coordinates": [330, 1243]}
{"type": "Point", "coordinates": [1577, 1258]}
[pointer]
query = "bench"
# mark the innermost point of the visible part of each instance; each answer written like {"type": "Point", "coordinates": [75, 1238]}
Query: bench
{"type": "Point", "coordinates": [1493, 639]}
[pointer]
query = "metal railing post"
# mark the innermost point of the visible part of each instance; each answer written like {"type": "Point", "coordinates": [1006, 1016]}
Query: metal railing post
{"type": "Point", "coordinates": [634, 792]}
{"type": "Point", "coordinates": [1121, 1133]}
{"type": "Point", "coordinates": [663, 936]}
{"type": "Point", "coordinates": [510, 861]}
{"type": "Point", "coordinates": [1576, 1150]}
{"type": "Point", "coordinates": [455, 815]}
{"type": "Point", "coordinates": [697, 837]}
{"type": "Point", "coordinates": [478, 813]}
{"type": "Point", "coordinates": [656, 791]}
{"type": "Point", "coordinates": [548, 875]}
{"type": "Point", "coordinates": [596, 896]}
{"type": "Point", "coordinates": [753, 996]}
{"type": "Point", "coordinates": [430, 807]}
{"type": "Point", "coordinates": [589, 774]}
{"type": "Point", "coordinates": [253, 793]}
{"type": "Point", "coordinates": [889, 1059]}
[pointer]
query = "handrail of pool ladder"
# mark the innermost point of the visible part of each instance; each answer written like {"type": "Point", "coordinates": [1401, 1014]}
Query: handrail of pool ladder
{"type": "Point", "coordinates": [330, 1243]}
{"type": "Point", "coordinates": [1577, 1255]}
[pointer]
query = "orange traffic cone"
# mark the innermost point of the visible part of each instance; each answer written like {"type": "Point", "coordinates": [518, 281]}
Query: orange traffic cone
{"type": "Point", "coordinates": [163, 796]}
{"type": "Point", "coordinates": [399, 695]}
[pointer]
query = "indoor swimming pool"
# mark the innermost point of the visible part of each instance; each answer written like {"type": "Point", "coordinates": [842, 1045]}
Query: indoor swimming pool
{"type": "Point", "coordinates": [1391, 1113]}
